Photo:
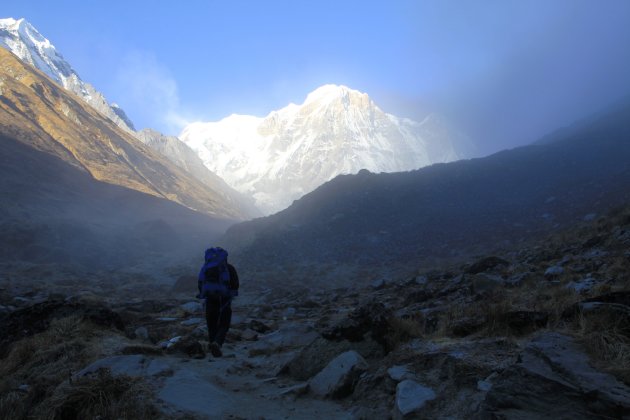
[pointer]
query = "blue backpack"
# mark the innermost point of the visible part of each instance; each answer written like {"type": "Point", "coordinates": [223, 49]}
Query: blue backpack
{"type": "Point", "coordinates": [214, 277]}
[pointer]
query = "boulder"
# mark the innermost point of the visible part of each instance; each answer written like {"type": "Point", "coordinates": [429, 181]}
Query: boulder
{"type": "Point", "coordinates": [554, 272]}
{"type": "Point", "coordinates": [554, 379]}
{"type": "Point", "coordinates": [259, 326]}
{"type": "Point", "coordinates": [142, 333]}
{"type": "Point", "coordinates": [314, 357]}
{"type": "Point", "coordinates": [339, 377]}
{"type": "Point", "coordinates": [379, 284]}
{"type": "Point", "coordinates": [583, 286]}
{"type": "Point", "coordinates": [486, 264]}
{"type": "Point", "coordinates": [412, 396]}
{"type": "Point", "coordinates": [192, 307]}
{"type": "Point", "coordinates": [400, 373]}
{"type": "Point", "coordinates": [186, 345]}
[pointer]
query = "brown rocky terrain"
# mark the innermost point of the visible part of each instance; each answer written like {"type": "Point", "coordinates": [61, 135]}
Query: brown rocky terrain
{"type": "Point", "coordinates": [45, 117]}
{"type": "Point", "coordinates": [541, 332]}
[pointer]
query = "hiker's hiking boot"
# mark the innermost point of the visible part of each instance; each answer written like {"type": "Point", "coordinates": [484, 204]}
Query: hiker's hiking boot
{"type": "Point", "coordinates": [215, 349]}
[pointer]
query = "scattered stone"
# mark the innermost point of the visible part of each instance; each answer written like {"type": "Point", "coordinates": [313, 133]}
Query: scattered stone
{"type": "Point", "coordinates": [412, 396]}
{"type": "Point", "coordinates": [554, 272]}
{"type": "Point", "coordinates": [249, 335]}
{"type": "Point", "coordinates": [259, 326]}
{"type": "Point", "coordinates": [192, 307]}
{"type": "Point", "coordinates": [484, 386]}
{"type": "Point", "coordinates": [421, 280]}
{"type": "Point", "coordinates": [583, 286]}
{"type": "Point", "coordinates": [192, 321]}
{"type": "Point", "coordinates": [399, 373]}
{"type": "Point", "coordinates": [167, 319]}
{"type": "Point", "coordinates": [590, 217]}
{"type": "Point", "coordinates": [339, 378]}
{"type": "Point", "coordinates": [379, 284]}
{"type": "Point", "coordinates": [186, 345]}
{"type": "Point", "coordinates": [289, 313]}
{"type": "Point", "coordinates": [142, 333]}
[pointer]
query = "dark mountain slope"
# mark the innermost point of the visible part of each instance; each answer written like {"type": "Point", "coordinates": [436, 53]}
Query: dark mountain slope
{"type": "Point", "coordinates": [53, 212]}
{"type": "Point", "coordinates": [371, 220]}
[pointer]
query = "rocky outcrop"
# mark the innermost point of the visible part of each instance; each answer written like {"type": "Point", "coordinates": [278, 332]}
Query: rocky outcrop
{"type": "Point", "coordinates": [554, 379]}
{"type": "Point", "coordinates": [339, 378]}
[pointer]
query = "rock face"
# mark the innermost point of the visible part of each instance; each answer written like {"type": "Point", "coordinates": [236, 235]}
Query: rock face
{"type": "Point", "coordinates": [335, 131]}
{"type": "Point", "coordinates": [339, 378]}
{"type": "Point", "coordinates": [555, 380]}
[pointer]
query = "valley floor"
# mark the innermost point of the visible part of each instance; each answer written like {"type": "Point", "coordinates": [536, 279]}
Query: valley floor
{"type": "Point", "coordinates": [543, 332]}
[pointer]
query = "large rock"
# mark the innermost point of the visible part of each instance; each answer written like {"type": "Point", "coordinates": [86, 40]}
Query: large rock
{"type": "Point", "coordinates": [485, 264]}
{"type": "Point", "coordinates": [339, 378]}
{"type": "Point", "coordinates": [554, 379]}
{"type": "Point", "coordinates": [371, 318]}
{"type": "Point", "coordinates": [316, 356]}
{"type": "Point", "coordinates": [187, 345]}
{"type": "Point", "coordinates": [411, 396]}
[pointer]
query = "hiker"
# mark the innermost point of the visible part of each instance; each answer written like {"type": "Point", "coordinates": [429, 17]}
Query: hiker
{"type": "Point", "coordinates": [218, 284]}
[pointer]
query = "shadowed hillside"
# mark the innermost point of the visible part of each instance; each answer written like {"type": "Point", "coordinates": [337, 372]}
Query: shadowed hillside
{"type": "Point", "coordinates": [368, 221]}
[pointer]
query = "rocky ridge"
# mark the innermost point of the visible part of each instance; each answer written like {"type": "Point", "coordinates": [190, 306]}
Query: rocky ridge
{"type": "Point", "coordinates": [23, 40]}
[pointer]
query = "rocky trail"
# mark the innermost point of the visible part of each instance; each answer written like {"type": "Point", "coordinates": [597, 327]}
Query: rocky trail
{"type": "Point", "coordinates": [542, 332]}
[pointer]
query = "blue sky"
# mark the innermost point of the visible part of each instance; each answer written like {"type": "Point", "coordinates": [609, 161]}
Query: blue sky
{"type": "Point", "coordinates": [503, 71]}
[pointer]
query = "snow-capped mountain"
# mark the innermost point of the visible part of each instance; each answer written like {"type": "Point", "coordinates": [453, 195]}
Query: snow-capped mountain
{"type": "Point", "coordinates": [337, 130]}
{"type": "Point", "coordinates": [23, 40]}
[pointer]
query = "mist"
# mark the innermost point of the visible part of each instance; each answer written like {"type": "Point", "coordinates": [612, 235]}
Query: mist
{"type": "Point", "coordinates": [508, 73]}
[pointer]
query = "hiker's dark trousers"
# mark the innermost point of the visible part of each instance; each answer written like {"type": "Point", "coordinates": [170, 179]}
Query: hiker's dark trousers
{"type": "Point", "coordinates": [218, 317]}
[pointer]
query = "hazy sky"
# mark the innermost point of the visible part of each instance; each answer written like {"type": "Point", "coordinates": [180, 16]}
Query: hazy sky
{"type": "Point", "coordinates": [505, 72]}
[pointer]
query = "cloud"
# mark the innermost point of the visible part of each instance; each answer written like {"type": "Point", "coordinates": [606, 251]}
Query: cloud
{"type": "Point", "coordinates": [149, 93]}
